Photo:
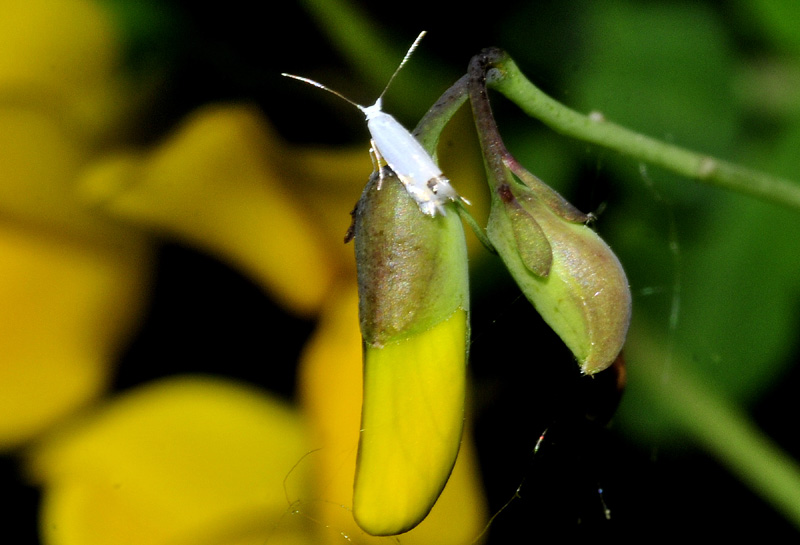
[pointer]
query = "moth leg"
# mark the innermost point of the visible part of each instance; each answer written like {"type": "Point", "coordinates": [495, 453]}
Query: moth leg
{"type": "Point", "coordinates": [377, 159]}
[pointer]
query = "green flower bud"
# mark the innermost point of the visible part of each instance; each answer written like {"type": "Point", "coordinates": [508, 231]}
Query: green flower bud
{"type": "Point", "coordinates": [413, 309]}
{"type": "Point", "coordinates": [562, 266]}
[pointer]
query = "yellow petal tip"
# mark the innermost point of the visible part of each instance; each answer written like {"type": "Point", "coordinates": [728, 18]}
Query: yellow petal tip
{"type": "Point", "coordinates": [412, 420]}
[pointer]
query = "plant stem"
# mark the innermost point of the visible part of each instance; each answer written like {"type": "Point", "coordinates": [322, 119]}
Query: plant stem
{"type": "Point", "coordinates": [722, 429]}
{"type": "Point", "coordinates": [507, 79]}
{"type": "Point", "coordinates": [367, 47]}
{"type": "Point", "coordinates": [430, 127]}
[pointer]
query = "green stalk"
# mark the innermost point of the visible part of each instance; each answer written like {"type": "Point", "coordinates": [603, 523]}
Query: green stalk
{"type": "Point", "coordinates": [374, 52]}
{"type": "Point", "coordinates": [508, 80]}
{"type": "Point", "coordinates": [714, 423]}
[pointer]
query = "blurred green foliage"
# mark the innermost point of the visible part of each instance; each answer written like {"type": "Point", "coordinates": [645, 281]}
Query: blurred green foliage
{"type": "Point", "coordinates": [669, 70]}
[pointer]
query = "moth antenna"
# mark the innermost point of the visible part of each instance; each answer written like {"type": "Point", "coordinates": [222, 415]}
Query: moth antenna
{"type": "Point", "coordinates": [324, 88]}
{"type": "Point", "coordinates": [402, 63]}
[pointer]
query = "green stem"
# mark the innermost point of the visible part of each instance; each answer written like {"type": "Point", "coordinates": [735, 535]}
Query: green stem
{"type": "Point", "coordinates": [350, 29]}
{"type": "Point", "coordinates": [723, 429]}
{"type": "Point", "coordinates": [465, 215]}
{"type": "Point", "coordinates": [368, 49]}
{"type": "Point", "coordinates": [430, 127]}
{"type": "Point", "coordinates": [508, 80]}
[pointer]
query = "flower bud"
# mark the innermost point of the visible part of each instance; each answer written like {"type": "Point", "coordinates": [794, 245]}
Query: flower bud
{"type": "Point", "coordinates": [562, 266]}
{"type": "Point", "coordinates": [413, 308]}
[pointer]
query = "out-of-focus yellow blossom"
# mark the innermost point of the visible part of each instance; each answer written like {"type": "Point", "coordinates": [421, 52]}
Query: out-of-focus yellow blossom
{"type": "Point", "coordinates": [65, 307]}
{"type": "Point", "coordinates": [219, 182]}
{"type": "Point", "coordinates": [71, 284]}
{"type": "Point", "coordinates": [61, 57]}
{"type": "Point", "coordinates": [184, 460]}
{"type": "Point", "coordinates": [197, 461]}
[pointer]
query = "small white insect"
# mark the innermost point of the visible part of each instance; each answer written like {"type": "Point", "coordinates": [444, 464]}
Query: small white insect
{"type": "Point", "coordinates": [393, 145]}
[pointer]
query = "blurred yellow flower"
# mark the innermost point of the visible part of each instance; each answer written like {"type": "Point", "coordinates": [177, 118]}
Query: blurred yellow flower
{"type": "Point", "coordinates": [183, 460]}
{"type": "Point", "coordinates": [217, 183]}
{"type": "Point", "coordinates": [66, 306]}
{"type": "Point", "coordinates": [186, 460]}
{"type": "Point", "coordinates": [71, 284]}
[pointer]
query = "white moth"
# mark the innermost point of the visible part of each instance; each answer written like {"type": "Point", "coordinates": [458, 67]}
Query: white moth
{"type": "Point", "coordinates": [393, 145]}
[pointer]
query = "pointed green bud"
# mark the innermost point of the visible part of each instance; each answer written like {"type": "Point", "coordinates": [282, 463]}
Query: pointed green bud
{"type": "Point", "coordinates": [562, 266]}
{"type": "Point", "coordinates": [413, 309]}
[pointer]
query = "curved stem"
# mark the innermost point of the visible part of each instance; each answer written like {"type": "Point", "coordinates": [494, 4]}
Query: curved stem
{"type": "Point", "coordinates": [595, 129]}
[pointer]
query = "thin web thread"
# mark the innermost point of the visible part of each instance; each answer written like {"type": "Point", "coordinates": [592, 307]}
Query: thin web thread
{"type": "Point", "coordinates": [675, 255]}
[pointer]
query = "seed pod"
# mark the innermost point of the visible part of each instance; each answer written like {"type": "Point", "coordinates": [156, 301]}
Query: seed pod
{"type": "Point", "coordinates": [562, 266]}
{"type": "Point", "coordinates": [413, 309]}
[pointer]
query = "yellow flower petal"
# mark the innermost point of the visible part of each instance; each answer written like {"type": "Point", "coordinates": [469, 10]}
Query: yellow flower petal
{"type": "Point", "coordinates": [411, 426]}
{"type": "Point", "coordinates": [39, 163]}
{"type": "Point", "coordinates": [185, 461]}
{"type": "Point", "coordinates": [329, 182]}
{"type": "Point", "coordinates": [71, 284]}
{"type": "Point", "coordinates": [215, 184]}
{"type": "Point", "coordinates": [59, 56]}
{"type": "Point", "coordinates": [331, 388]}
{"type": "Point", "coordinates": [66, 305]}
